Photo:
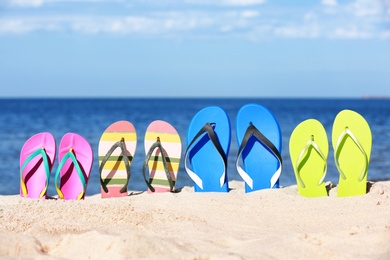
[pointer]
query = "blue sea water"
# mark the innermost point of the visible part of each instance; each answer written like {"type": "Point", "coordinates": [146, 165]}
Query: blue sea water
{"type": "Point", "coordinates": [22, 118]}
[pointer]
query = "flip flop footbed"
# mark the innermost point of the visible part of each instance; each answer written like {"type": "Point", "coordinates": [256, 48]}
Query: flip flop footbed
{"type": "Point", "coordinates": [73, 183]}
{"type": "Point", "coordinates": [309, 150]}
{"type": "Point", "coordinates": [352, 143]}
{"type": "Point", "coordinates": [260, 164]}
{"type": "Point", "coordinates": [114, 173]}
{"type": "Point", "coordinates": [172, 148]}
{"type": "Point", "coordinates": [204, 159]}
{"type": "Point", "coordinates": [34, 175]}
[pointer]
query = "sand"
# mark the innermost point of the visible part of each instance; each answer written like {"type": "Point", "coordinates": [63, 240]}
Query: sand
{"type": "Point", "coordinates": [267, 224]}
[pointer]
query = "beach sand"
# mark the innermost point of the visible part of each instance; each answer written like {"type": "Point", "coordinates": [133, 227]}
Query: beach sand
{"type": "Point", "coordinates": [267, 224]}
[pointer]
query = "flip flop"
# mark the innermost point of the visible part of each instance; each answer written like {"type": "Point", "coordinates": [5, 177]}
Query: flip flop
{"type": "Point", "coordinates": [352, 143]}
{"type": "Point", "coordinates": [260, 143]}
{"type": "Point", "coordinates": [36, 161]}
{"type": "Point", "coordinates": [208, 143]}
{"type": "Point", "coordinates": [116, 152]}
{"type": "Point", "coordinates": [309, 150]}
{"type": "Point", "coordinates": [75, 159]}
{"type": "Point", "coordinates": [163, 152]}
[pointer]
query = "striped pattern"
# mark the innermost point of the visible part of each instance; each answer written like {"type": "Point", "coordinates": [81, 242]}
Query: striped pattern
{"type": "Point", "coordinates": [171, 143]}
{"type": "Point", "coordinates": [114, 171]}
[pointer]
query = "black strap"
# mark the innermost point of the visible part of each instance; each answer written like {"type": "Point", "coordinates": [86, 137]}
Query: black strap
{"type": "Point", "coordinates": [157, 145]}
{"type": "Point", "coordinates": [209, 129]}
{"type": "Point", "coordinates": [121, 145]}
{"type": "Point", "coordinates": [253, 131]}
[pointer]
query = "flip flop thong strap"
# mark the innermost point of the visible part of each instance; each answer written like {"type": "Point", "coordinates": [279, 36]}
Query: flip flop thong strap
{"type": "Point", "coordinates": [208, 128]}
{"type": "Point", "coordinates": [70, 155]}
{"type": "Point", "coordinates": [253, 131]}
{"type": "Point", "coordinates": [301, 161]}
{"type": "Point", "coordinates": [44, 156]}
{"type": "Point", "coordinates": [345, 134]}
{"type": "Point", "coordinates": [121, 145]}
{"type": "Point", "coordinates": [157, 145]}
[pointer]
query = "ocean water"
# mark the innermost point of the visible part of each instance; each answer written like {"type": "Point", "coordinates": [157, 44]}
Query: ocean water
{"type": "Point", "coordinates": [22, 118]}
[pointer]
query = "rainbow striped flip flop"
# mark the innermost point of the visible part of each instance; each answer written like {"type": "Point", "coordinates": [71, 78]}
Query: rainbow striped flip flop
{"type": "Point", "coordinates": [117, 146]}
{"type": "Point", "coordinates": [163, 153]}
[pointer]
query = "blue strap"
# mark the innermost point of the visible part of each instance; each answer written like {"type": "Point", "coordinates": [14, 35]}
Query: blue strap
{"type": "Point", "coordinates": [70, 155]}
{"type": "Point", "coordinates": [44, 156]}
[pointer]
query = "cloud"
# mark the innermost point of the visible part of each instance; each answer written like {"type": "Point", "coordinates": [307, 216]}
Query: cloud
{"type": "Point", "coordinates": [242, 2]}
{"type": "Point", "coordinates": [310, 32]}
{"type": "Point", "coordinates": [41, 3]}
{"type": "Point", "coordinates": [350, 33]}
{"type": "Point", "coordinates": [361, 19]}
{"type": "Point", "coordinates": [222, 2]}
{"type": "Point", "coordinates": [25, 3]}
{"type": "Point", "coordinates": [329, 2]}
{"type": "Point", "coordinates": [368, 7]}
{"type": "Point", "coordinates": [250, 14]}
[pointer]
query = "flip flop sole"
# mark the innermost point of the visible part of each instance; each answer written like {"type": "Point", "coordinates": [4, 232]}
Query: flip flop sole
{"type": "Point", "coordinates": [350, 157]}
{"type": "Point", "coordinates": [34, 173]}
{"type": "Point", "coordinates": [259, 163]}
{"type": "Point", "coordinates": [70, 183]}
{"type": "Point", "coordinates": [205, 160]}
{"type": "Point", "coordinates": [311, 170]}
{"type": "Point", "coordinates": [114, 172]}
{"type": "Point", "coordinates": [171, 144]}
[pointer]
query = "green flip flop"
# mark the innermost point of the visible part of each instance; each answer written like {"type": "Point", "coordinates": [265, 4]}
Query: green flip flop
{"type": "Point", "coordinates": [352, 143]}
{"type": "Point", "coordinates": [309, 152]}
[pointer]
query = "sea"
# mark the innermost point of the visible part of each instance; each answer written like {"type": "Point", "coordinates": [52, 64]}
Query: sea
{"type": "Point", "coordinates": [89, 117]}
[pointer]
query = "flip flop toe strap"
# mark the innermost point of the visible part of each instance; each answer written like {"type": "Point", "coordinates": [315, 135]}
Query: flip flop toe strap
{"type": "Point", "coordinates": [253, 131]}
{"type": "Point", "coordinates": [126, 161]}
{"type": "Point", "coordinates": [157, 145]}
{"type": "Point", "coordinates": [303, 157]}
{"type": "Point", "coordinates": [44, 156]}
{"type": "Point", "coordinates": [208, 128]}
{"type": "Point", "coordinates": [70, 155]}
{"type": "Point", "coordinates": [339, 145]}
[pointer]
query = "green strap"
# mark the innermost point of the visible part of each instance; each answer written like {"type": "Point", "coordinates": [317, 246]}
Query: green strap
{"type": "Point", "coordinates": [345, 134]}
{"type": "Point", "coordinates": [70, 155]}
{"type": "Point", "coordinates": [301, 161]}
{"type": "Point", "coordinates": [44, 156]}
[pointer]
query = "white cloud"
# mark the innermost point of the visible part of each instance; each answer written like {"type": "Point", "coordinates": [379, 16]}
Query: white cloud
{"type": "Point", "coordinates": [224, 2]}
{"type": "Point", "coordinates": [242, 2]}
{"type": "Point", "coordinates": [385, 35]}
{"type": "Point", "coordinates": [350, 33]}
{"type": "Point", "coordinates": [329, 2]}
{"type": "Point", "coordinates": [367, 7]}
{"type": "Point", "coordinates": [25, 3]}
{"type": "Point", "coordinates": [41, 3]}
{"type": "Point", "coordinates": [309, 17]}
{"type": "Point", "coordinates": [297, 31]}
{"type": "Point", "coordinates": [359, 20]}
{"type": "Point", "coordinates": [250, 14]}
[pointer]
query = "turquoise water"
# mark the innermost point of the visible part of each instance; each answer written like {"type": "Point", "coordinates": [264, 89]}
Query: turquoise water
{"type": "Point", "coordinates": [22, 118]}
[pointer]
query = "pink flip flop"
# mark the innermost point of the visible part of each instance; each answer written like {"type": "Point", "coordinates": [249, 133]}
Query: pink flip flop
{"type": "Point", "coordinates": [75, 159]}
{"type": "Point", "coordinates": [36, 161]}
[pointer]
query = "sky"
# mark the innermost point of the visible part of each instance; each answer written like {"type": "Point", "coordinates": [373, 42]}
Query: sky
{"type": "Point", "coordinates": [194, 48]}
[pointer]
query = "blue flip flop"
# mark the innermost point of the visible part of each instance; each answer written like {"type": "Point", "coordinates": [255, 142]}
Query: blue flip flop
{"type": "Point", "coordinates": [260, 143]}
{"type": "Point", "coordinates": [208, 143]}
